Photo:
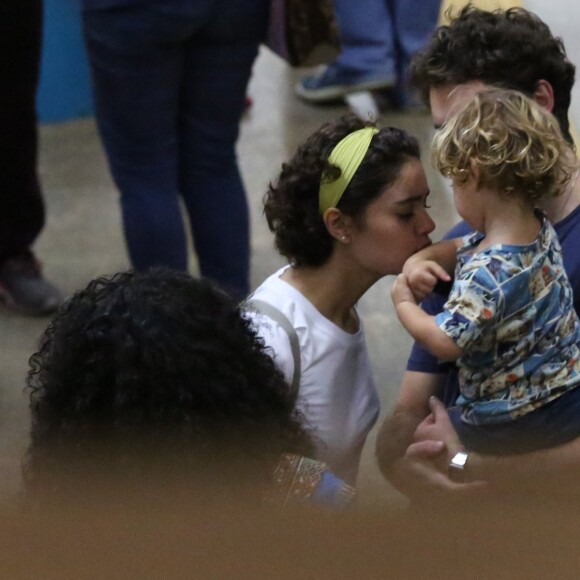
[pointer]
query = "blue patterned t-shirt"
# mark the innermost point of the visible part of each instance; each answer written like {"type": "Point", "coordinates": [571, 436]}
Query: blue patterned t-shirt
{"type": "Point", "coordinates": [511, 312]}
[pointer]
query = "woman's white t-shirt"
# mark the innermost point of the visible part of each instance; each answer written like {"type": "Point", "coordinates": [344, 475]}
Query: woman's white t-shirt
{"type": "Point", "coordinates": [337, 394]}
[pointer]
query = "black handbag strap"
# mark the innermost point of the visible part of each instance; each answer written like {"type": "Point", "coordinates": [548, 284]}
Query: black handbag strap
{"type": "Point", "coordinates": [277, 316]}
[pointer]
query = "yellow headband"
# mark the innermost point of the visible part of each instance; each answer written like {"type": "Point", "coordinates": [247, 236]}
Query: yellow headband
{"type": "Point", "coordinates": [347, 156]}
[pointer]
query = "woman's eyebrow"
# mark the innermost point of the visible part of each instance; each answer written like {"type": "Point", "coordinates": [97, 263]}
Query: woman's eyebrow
{"type": "Point", "coordinates": [412, 199]}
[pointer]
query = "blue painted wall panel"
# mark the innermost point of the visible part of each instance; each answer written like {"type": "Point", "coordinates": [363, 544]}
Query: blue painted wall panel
{"type": "Point", "coordinates": [64, 91]}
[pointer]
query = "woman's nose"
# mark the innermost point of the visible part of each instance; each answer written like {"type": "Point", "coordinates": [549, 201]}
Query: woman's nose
{"type": "Point", "coordinates": [426, 224]}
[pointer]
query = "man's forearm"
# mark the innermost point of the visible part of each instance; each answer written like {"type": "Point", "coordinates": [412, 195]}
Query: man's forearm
{"type": "Point", "coordinates": [398, 430]}
{"type": "Point", "coordinates": [395, 436]}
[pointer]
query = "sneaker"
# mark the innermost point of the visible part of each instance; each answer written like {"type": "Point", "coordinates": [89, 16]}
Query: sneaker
{"type": "Point", "coordinates": [335, 83]}
{"type": "Point", "coordinates": [23, 288]}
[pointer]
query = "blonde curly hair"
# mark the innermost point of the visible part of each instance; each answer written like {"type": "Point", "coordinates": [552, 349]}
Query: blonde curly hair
{"type": "Point", "coordinates": [516, 144]}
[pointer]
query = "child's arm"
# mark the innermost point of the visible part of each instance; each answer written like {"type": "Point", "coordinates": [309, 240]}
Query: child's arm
{"type": "Point", "coordinates": [426, 267]}
{"type": "Point", "coordinates": [420, 325]}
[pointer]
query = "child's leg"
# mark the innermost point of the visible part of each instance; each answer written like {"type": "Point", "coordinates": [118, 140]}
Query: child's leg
{"type": "Point", "coordinates": [553, 424]}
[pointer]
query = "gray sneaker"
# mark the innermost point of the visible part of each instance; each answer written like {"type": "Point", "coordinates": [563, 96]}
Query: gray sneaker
{"type": "Point", "coordinates": [22, 287]}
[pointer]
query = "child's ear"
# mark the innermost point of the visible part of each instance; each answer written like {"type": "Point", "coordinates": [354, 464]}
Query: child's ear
{"type": "Point", "coordinates": [475, 172]}
{"type": "Point", "coordinates": [339, 226]}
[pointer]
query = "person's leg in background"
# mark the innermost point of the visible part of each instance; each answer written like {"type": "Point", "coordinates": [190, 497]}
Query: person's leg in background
{"type": "Point", "coordinates": [218, 67]}
{"type": "Point", "coordinates": [22, 286]}
{"type": "Point", "coordinates": [136, 65]}
{"type": "Point", "coordinates": [367, 59]}
{"type": "Point", "coordinates": [413, 26]}
{"type": "Point", "coordinates": [367, 38]}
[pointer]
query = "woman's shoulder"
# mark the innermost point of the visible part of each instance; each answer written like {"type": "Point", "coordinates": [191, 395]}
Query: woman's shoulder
{"type": "Point", "coordinates": [288, 300]}
{"type": "Point", "coordinates": [275, 291]}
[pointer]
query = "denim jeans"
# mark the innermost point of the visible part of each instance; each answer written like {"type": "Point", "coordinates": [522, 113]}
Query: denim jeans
{"type": "Point", "coordinates": [21, 205]}
{"type": "Point", "coordinates": [169, 78]}
{"type": "Point", "coordinates": [379, 37]}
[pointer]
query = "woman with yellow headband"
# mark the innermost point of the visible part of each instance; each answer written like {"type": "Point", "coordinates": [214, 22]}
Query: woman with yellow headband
{"type": "Point", "coordinates": [346, 210]}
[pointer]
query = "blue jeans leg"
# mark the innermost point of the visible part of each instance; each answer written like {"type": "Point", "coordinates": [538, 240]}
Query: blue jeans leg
{"type": "Point", "coordinates": [414, 23]}
{"type": "Point", "coordinates": [136, 88]}
{"type": "Point", "coordinates": [367, 37]}
{"type": "Point", "coordinates": [216, 76]}
{"type": "Point", "coordinates": [379, 37]}
{"type": "Point", "coordinates": [170, 80]}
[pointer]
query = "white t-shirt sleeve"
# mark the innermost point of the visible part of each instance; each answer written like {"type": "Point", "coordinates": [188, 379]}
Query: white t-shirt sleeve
{"type": "Point", "coordinates": [277, 343]}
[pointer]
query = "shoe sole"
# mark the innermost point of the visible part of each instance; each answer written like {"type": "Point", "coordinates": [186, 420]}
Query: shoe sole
{"type": "Point", "coordinates": [9, 303]}
{"type": "Point", "coordinates": [339, 91]}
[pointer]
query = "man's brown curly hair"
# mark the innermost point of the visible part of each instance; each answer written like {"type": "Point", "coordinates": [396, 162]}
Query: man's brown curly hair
{"type": "Point", "coordinates": [511, 49]}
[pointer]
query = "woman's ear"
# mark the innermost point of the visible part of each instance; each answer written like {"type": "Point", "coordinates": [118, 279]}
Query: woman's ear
{"type": "Point", "coordinates": [339, 226]}
{"type": "Point", "coordinates": [544, 95]}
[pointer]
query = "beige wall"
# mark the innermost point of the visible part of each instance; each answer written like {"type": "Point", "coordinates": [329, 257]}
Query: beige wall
{"type": "Point", "coordinates": [486, 4]}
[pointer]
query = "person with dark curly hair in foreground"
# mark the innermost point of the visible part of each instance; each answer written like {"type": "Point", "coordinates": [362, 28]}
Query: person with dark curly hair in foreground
{"type": "Point", "coordinates": [346, 210]}
{"type": "Point", "coordinates": [155, 378]}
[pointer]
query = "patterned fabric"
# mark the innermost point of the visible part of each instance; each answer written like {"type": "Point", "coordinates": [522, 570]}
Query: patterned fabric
{"type": "Point", "coordinates": [301, 480]}
{"type": "Point", "coordinates": [511, 311]}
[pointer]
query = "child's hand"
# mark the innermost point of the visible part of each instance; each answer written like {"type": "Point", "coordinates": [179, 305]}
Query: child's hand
{"type": "Point", "coordinates": [422, 275]}
{"type": "Point", "coordinates": [400, 292]}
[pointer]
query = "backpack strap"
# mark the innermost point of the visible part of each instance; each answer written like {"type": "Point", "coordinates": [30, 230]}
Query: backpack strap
{"type": "Point", "coordinates": [277, 316]}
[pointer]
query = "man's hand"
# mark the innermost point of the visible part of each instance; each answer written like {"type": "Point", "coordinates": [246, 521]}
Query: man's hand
{"type": "Point", "coordinates": [422, 472]}
{"type": "Point", "coordinates": [417, 476]}
{"type": "Point", "coordinates": [411, 466]}
{"type": "Point", "coordinates": [438, 427]}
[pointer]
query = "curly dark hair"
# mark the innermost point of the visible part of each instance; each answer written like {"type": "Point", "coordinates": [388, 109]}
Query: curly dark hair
{"type": "Point", "coordinates": [291, 203]}
{"type": "Point", "coordinates": [511, 49]}
{"type": "Point", "coordinates": [145, 369]}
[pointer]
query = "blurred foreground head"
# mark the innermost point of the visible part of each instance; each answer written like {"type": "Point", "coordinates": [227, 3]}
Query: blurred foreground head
{"type": "Point", "coordinates": [154, 381]}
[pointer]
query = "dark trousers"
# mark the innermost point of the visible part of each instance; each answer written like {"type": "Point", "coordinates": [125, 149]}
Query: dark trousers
{"type": "Point", "coordinates": [169, 80]}
{"type": "Point", "coordinates": [21, 205]}
{"type": "Point", "coordinates": [548, 426]}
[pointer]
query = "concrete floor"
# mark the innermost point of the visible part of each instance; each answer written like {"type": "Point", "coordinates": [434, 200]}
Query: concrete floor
{"type": "Point", "coordinates": [83, 236]}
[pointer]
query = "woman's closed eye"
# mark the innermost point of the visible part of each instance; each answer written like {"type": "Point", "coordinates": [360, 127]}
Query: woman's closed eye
{"type": "Point", "coordinates": [408, 215]}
